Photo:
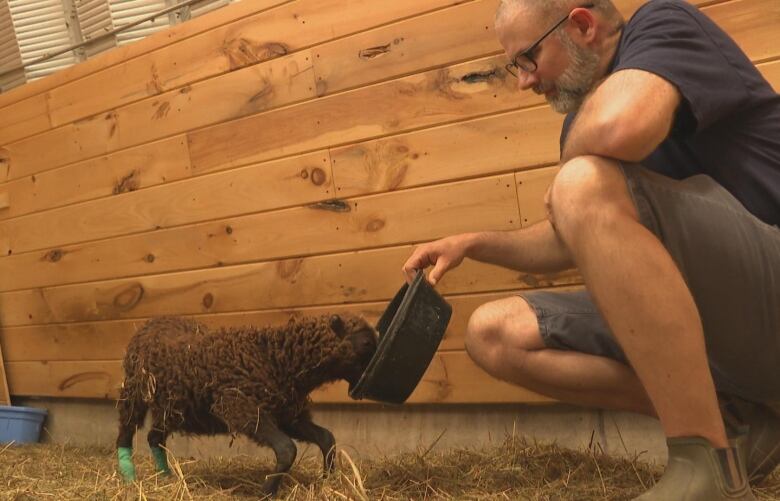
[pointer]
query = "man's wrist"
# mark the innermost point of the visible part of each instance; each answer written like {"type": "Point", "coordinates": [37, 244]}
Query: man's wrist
{"type": "Point", "coordinates": [473, 242]}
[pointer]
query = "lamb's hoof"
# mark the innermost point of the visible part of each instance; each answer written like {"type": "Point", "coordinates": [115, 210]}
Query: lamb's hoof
{"type": "Point", "coordinates": [330, 463]}
{"type": "Point", "coordinates": [127, 478]}
{"type": "Point", "coordinates": [271, 486]}
{"type": "Point", "coordinates": [161, 462]}
{"type": "Point", "coordinates": [126, 466]}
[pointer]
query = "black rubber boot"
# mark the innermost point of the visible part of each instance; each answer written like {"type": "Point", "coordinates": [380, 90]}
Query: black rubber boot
{"type": "Point", "coordinates": [755, 429]}
{"type": "Point", "coordinates": [696, 471]}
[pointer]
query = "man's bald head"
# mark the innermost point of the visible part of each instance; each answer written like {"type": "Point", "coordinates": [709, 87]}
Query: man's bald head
{"type": "Point", "coordinates": [546, 11]}
{"type": "Point", "coordinates": [539, 9]}
{"type": "Point", "coordinates": [567, 70]}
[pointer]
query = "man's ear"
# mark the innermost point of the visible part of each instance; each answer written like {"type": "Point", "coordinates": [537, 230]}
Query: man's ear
{"type": "Point", "coordinates": [584, 23]}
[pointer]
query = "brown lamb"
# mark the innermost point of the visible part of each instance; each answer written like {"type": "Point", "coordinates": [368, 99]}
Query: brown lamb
{"type": "Point", "coordinates": [253, 381]}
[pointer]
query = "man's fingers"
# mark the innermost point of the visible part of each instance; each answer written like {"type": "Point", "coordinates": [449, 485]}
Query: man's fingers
{"type": "Point", "coordinates": [417, 261]}
{"type": "Point", "coordinates": [438, 271]}
{"type": "Point", "coordinates": [409, 274]}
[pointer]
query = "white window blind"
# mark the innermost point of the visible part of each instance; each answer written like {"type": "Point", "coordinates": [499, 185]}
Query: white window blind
{"type": "Point", "coordinates": [127, 11]}
{"type": "Point", "coordinates": [206, 6]}
{"type": "Point", "coordinates": [41, 28]}
{"type": "Point", "coordinates": [31, 29]}
{"type": "Point", "coordinates": [95, 20]}
{"type": "Point", "coordinates": [10, 57]}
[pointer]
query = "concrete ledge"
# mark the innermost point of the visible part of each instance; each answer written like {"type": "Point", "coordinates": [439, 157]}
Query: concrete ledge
{"type": "Point", "coordinates": [375, 430]}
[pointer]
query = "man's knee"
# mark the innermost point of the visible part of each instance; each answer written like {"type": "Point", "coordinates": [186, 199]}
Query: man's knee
{"type": "Point", "coordinates": [483, 332]}
{"type": "Point", "coordinates": [501, 328]}
{"type": "Point", "coordinates": [588, 189]}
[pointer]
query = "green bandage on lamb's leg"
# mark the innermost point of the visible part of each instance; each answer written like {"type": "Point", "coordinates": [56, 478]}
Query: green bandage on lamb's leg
{"type": "Point", "coordinates": [160, 460]}
{"type": "Point", "coordinates": [126, 466]}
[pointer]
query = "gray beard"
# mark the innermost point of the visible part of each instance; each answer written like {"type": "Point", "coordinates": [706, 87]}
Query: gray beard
{"type": "Point", "coordinates": [577, 81]}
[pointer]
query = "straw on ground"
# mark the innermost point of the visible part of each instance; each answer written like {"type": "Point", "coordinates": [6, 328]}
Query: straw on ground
{"type": "Point", "coordinates": [513, 469]}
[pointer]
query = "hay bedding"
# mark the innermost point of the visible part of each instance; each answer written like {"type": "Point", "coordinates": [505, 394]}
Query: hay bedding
{"type": "Point", "coordinates": [512, 470]}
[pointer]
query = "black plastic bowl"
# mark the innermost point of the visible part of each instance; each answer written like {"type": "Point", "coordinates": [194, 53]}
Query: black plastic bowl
{"type": "Point", "coordinates": [410, 331]}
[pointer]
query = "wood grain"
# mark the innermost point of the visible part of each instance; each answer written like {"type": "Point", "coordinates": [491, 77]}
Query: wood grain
{"type": "Point", "coordinates": [289, 182]}
{"type": "Point", "coordinates": [108, 175]}
{"type": "Point", "coordinates": [517, 140]}
{"type": "Point", "coordinates": [322, 227]}
{"type": "Point", "coordinates": [362, 276]}
{"type": "Point", "coordinates": [451, 378]}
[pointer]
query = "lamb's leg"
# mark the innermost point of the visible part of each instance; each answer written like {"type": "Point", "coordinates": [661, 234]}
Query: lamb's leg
{"type": "Point", "coordinates": [131, 417]}
{"type": "Point", "coordinates": [241, 414]}
{"type": "Point", "coordinates": [284, 449]}
{"type": "Point", "coordinates": [306, 430]}
{"type": "Point", "coordinates": [156, 438]}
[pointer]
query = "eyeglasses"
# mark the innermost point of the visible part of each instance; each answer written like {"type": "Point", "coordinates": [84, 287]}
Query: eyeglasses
{"type": "Point", "coordinates": [524, 60]}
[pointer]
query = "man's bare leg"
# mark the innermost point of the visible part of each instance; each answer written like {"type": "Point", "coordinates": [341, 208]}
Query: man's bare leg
{"type": "Point", "coordinates": [641, 294]}
{"type": "Point", "coordinates": [503, 338]}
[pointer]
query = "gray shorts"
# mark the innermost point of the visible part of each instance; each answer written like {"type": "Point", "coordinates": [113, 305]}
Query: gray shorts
{"type": "Point", "coordinates": [731, 263]}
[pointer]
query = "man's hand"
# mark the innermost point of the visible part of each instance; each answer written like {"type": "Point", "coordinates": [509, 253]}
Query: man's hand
{"type": "Point", "coordinates": [444, 255]}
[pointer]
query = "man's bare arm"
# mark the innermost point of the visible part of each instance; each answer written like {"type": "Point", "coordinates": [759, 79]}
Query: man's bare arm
{"type": "Point", "coordinates": [626, 117]}
{"type": "Point", "coordinates": [536, 249]}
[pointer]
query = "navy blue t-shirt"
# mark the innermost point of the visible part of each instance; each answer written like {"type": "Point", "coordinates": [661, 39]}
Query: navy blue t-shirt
{"type": "Point", "coordinates": [728, 125]}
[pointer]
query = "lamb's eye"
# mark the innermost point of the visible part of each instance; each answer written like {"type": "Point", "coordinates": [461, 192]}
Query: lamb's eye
{"type": "Point", "coordinates": [337, 324]}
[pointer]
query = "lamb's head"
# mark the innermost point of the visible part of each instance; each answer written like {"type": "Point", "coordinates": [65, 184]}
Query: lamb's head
{"type": "Point", "coordinates": [358, 342]}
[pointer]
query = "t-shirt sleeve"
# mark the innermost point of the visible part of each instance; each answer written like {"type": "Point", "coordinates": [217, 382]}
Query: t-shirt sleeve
{"type": "Point", "coordinates": [676, 44]}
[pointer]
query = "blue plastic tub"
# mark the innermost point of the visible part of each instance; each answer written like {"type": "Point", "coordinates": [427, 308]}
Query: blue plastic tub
{"type": "Point", "coordinates": [20, 424]}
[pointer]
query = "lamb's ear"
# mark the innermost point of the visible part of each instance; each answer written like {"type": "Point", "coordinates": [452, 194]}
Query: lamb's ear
{"type": "Point", "coordinates": [337, 324]}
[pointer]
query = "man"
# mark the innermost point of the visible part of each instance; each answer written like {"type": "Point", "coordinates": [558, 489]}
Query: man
{"type": "Point", "coordinates": [668, 202]}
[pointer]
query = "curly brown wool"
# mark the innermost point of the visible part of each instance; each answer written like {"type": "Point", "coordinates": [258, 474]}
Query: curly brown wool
{"type": "Point", "coordinates": [253, 381]}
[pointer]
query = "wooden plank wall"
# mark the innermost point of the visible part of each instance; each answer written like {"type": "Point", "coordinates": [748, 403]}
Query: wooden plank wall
{"type": "Point", "coordinates": [276, 156]}
{"type": "Point", "coordinates": [5, 396]}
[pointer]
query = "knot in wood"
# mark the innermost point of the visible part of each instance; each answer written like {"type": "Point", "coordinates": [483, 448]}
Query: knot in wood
{"type": "Point", "coordinates": [318, 176]}
{"type": "Point", "coordinates": [53, 255]}
{"type": "Point", "coordinates": [129, 297]}
{"type": "Point", "coordinates": [375, 225]}
{"type": "Point", "coordinates": [478, 76]}
{"type": "Point", "coordinates": [128, 183]}
{"type": "Point", "coordinates": [334, 205]}
{"type": "Point", "coordinates": [5, 163]}
{"type": "Point", "coordinates": [372, 52]}
{"type": "Point", "coordinates": [289, 269]}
